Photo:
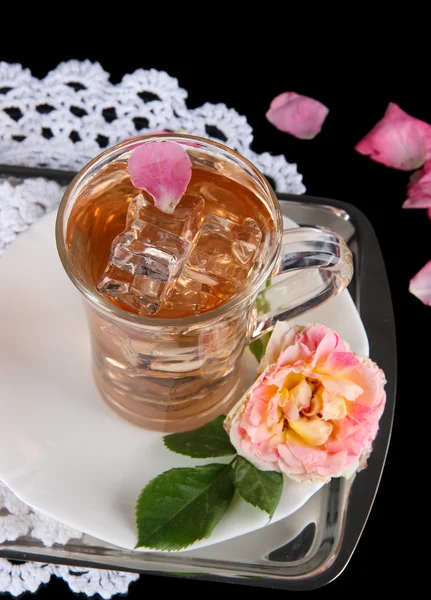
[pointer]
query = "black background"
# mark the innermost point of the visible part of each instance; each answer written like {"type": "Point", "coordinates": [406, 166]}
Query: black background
{"type": "Point", "coordinates": [386, 557]}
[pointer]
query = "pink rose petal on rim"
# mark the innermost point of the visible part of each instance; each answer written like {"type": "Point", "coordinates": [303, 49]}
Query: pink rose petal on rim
{"type": "Point", "coordinates": [163, 169]}
{"type": "Point", "coordinates": [420, 284]}
{"type": "Point", "coordinates": [298, 115]}
{"type": "Point", "coordinates": [398, 140]}
{"type": "Point", "coordinates": [419, 188]}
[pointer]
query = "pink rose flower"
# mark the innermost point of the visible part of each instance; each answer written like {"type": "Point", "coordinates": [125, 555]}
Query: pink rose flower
{"type": "Point", "coordinates": [314, 411]}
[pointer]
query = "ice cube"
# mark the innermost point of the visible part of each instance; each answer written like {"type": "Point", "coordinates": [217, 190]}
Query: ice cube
{"type": "Point", "coordinates": [184, 221]}
{"type": "Point", "coordinates": [218, 265]}
{"type": "Point", "coordinates": [115, 281]}
{"type": "Point", "coordinates": [147, 258]}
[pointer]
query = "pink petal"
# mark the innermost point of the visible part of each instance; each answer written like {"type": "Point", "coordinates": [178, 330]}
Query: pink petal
{"type": "Point", "coordinates": [419, 188]}
{"type": "Point", "coordinates": [267, 452]}
{"type": "Point", "coordinates": [342, 387]}
{"type": "Point", "coordinates": [313, 335]}
{"type": "Point", "coordinates": [398, 140]}
{"type": "Point", "coordinates": [330, 346]}
{"type": "Point", "coordinates": [292, 354]}
{"type": "Point", "coordinates": [163, 169]}
{"type": "Point", "coordinates": [420, 285]}
{"type": "Point", "coordinates": [365, 375]}
{"type": "Point", "coordinates": [274, 411]}
{"type": "Point", "coordinates": [258, 412]}
{"type": "Point", "coordinates": [338, 361]}
{"type": "Point", "coordinates": [277, 377]}
{"type": "Point", "coordinates": [291, 411]}
{"type": "Point", "coordinates": [282, 336]}
{"type": "Point", "coordinates": [298, 115]}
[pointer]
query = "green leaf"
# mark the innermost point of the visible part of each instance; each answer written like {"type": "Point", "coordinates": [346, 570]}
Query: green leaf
{"type": "Point", "coordinates": [262, 303]}
{"type": "Point", "coordinates": [206, 442]}
{"type": "Point", "coordinates": [258, 347]}
{"type": "Point", "coordinates": [182, 506]}
{"type": "Point", "coordinates": [259, 488]}
{"type": "Point", "coordinates": [263, 306]}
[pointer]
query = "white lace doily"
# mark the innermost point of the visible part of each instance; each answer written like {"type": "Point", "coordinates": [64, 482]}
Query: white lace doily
{"type": "Point", "coordinates": [17, 520]}
{"type": "Point", "coordinates": [62, 122]}
{"type": "Point", "coordinates": [67, 118]}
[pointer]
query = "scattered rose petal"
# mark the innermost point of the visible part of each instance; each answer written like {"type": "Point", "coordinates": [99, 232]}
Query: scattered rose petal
{"type": "Point", "coordinates": [298, 115]}
{"type": "Point", "coordinates": [419, 188]}
{"type": "Point", "coordinates": [163, 169]}
{"type": "Point", "coordinates": [398, 140]}
{"type": "Point", "coordinates": [420, 284]}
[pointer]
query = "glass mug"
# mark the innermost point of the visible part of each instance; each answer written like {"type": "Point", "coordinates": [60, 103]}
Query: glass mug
{"type": "Point", "coordinates": [174, 374]}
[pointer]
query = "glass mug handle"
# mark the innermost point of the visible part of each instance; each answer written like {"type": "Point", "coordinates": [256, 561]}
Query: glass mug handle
{"type": "Point", "coordinates": [315, 265]}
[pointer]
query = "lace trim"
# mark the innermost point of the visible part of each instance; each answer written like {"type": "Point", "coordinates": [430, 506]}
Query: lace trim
{"type": "Point", "coordinates": [28, 577]}
{"type": "Point", "coordinates": [67, 118]}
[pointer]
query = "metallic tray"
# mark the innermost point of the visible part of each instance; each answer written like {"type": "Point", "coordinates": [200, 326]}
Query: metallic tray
{"type": "Point", "coordinates": [313, 546]}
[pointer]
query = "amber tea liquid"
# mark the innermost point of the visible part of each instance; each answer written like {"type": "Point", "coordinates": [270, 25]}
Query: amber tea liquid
{"type": "Point", "coordinates": [100, 215]}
